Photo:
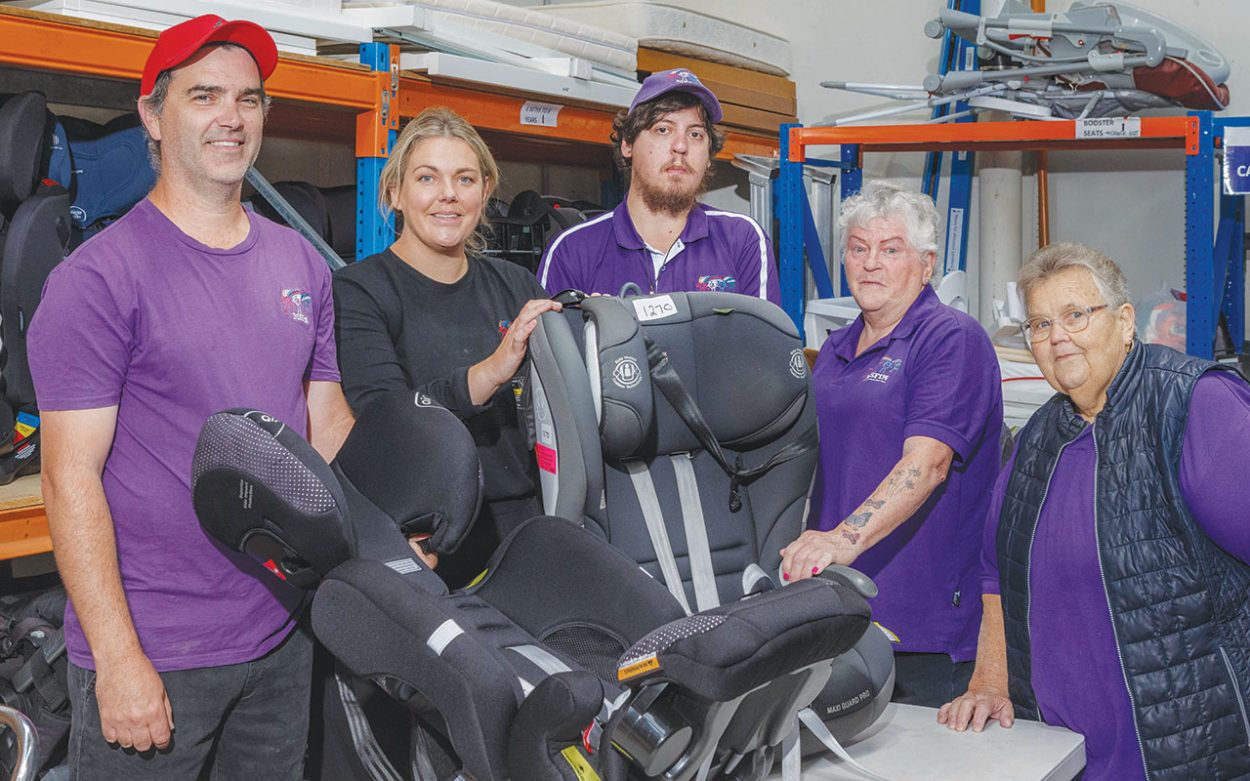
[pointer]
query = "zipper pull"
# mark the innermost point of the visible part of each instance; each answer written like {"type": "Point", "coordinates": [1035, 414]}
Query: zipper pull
{"type": "Point", "coordinates": [955, 600]}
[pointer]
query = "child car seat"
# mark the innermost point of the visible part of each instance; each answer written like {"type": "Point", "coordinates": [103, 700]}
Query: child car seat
{"type": "Point", "coordinates": [680, 428]}
{"type": "Point", "coordinates": [564, 658]}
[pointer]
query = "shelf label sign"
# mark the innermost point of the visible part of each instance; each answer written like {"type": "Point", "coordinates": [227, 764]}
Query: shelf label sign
{"type": "Point", "coordinates": [1236, 160]}
{"type": "Point", "coordinates": [540, 114]}
{"type": "Point", "coordinates": [1109, 127]}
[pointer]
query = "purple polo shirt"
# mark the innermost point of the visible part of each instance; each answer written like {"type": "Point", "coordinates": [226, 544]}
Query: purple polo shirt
{"type": "Point", "coordinates": [936, 376]}
{"type": "Point", "coordinates": [170, 331]}
{"type": "Point", "coordinates": [720, 250]}
{"type": "Point", "coordinates": [1076, 668]}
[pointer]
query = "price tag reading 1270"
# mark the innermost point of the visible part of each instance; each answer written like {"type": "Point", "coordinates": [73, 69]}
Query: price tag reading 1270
{"type": "Point", "coordinates": [654, 308]}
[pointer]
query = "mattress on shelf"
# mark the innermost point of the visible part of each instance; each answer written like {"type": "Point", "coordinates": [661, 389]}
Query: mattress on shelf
{"type": "Point", "coordinates": [575, 38]}
{"type": "Point", "coordinates": [683, 32]}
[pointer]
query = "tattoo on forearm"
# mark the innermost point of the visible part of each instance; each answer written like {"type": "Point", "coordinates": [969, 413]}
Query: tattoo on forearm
{"type": "Point", "coordinates": [859, 520]}
{"type": "Point", "coordinates": [875, 504]}
{"type": "Point", "coordinates": [850, 536]}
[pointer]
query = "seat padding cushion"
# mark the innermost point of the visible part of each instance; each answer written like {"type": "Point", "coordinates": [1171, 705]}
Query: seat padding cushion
{"type": "Point", "coordinates": [252, 473]}
{"type": "Point", "coordinates": [738, 357]}
{"type": "Point", "coordinates": [24, 137]}
{"type": "Point", "coordinates": [725, 652]}
{"type": "Point", "coordinates": [417, 462]}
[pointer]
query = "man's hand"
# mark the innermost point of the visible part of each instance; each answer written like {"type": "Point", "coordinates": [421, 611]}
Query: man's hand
{"type": "Point", "coordinates": [976, 707]}
{"type": "Point", "coordinates": [134, 708]}
{"type": "Point", "coordinates": [815, 550]}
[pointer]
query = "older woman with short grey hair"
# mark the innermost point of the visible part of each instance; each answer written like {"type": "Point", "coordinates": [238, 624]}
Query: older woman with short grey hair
{"type": "Point", "coordinates": [1115, 560]}
{"type": "Point", "coordinates": [910, 413]}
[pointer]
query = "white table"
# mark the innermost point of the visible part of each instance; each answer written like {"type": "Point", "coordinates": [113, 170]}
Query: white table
{"type": "Point", "coordinates": [907, 744]}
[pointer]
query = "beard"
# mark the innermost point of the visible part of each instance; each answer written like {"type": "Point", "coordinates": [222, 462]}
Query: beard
{"type": "Point", "coordinates": [670, 197]}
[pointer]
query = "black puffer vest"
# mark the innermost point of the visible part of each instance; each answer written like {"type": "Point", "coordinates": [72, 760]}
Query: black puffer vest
{"type": "Point", "coordinates": [1178, 603]}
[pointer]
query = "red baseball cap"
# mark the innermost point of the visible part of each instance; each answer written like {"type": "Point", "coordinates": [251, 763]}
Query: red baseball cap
{"type": "Point", "coordinates": [178, 43]}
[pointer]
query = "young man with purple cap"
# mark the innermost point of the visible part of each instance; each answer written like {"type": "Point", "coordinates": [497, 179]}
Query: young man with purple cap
{"type": "Point", "coordinates": [661, 238]}
{"type": "Point", "coordinates": [187, 305]}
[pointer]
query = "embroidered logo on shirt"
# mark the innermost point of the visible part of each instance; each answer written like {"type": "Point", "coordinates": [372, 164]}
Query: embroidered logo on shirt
{"type": "Point", "coordinates": [716, 284]}
{"type": "Point", "coordinates": [884, 370]}
{"type": "Point", "coordinates": [504, 325]}
{"type": "Point", "coordinates": [297, 304]}
{"type": "Point", "coordinates": [798, 364]}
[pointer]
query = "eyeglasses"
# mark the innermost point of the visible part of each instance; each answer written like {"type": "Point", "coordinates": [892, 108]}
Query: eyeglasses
{"type": "Point", "coordinates": [1037, 329]}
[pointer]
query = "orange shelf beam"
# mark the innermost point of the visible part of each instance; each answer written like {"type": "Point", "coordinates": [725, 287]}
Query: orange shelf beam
{"type": "Point", "coordinates": [502, 113]}
{"type": "Point", "coordinates": [31, 39]}
{"type": "Point", "coordinates": [24, 532]}
{"type": "Point", "coordinates": [1170, 132]}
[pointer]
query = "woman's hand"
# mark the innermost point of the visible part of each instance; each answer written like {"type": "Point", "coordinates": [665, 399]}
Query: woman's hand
{"type": "Point", "coordinates": [486, 377]}
{"type": "Point", "coordinates": [977, 707]}
{"type": "Point", "coordinates": [815, 550]}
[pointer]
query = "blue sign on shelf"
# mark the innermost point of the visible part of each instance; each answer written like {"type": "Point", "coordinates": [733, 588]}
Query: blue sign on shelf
{"type": "Point", "coordinates": [1236, 160]}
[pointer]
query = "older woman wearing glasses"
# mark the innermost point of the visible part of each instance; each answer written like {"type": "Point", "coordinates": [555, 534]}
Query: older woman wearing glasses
{"type": "Point", "coordinates": [910, 414]}
{"type": "Point", "coordinates": [1117, 585]}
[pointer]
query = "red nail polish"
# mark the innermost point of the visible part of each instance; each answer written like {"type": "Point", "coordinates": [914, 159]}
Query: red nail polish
{"type": "Point", "coordinates": [815, 570]}
{"type": "Point", "coordinates": [785, 576]}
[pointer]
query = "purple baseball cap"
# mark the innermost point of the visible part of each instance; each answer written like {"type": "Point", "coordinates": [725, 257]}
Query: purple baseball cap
{"type": "Point", "coordinates": [678, 80]}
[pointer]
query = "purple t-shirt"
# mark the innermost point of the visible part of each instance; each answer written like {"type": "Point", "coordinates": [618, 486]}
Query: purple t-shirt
{"type": "Point", "coordinates": [146, 318]}
{"type": "Point", "coordinates": [717, 250]}
{"type": "Point", "coordinates": [1076, 668]}
{"type": "Point", "coordinates": [936, 376]}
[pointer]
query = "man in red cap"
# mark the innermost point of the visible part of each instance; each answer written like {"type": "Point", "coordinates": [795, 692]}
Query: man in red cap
{"type": "Point", "coordinates": [661, 238]}
{"type": "Point", "coordinates": [187, 305]}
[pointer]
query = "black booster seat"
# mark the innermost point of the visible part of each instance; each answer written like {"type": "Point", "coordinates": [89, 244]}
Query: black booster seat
{"type": "Point", "coordinates": [681, 429]}
{"type": "Point", "coordinates": [564, 660]}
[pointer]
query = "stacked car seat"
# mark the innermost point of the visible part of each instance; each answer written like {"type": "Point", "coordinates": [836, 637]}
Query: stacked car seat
{"type": "Point", "coordinates": [521, 231]}
{"type": "Point", "coordinates": [61, 181]}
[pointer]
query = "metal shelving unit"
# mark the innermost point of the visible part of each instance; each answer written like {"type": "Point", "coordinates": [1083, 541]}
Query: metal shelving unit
{"type": "Point", "coordinates": [316, 97]}
{"type": "Point", "coordinates": [1214, 268]}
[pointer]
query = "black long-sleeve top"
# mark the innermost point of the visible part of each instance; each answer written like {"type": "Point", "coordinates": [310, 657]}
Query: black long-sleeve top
{"type": "Point", "coordinates": [398, 329]}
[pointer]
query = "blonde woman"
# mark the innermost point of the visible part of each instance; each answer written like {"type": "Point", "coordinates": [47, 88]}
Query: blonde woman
{"type": "Point", "coordinates": [431, 314]}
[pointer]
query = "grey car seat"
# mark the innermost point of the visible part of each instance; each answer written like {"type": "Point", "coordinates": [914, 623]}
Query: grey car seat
{"type": "Point", "coordinates": [564, 659]}
{"type": "Point", "coordinates": [681, 429]}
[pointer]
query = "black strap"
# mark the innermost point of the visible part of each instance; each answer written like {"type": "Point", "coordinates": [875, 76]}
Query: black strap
{"type": "Point", "coordinates": [666, 379]}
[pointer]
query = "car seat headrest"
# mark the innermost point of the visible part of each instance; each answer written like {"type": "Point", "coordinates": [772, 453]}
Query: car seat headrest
{"type": "Point", "coordinates": [24, 141]}
{"type": "Point", "coordinates": [417, 462]}
{"type": "Point", "coordinates": [739, 357]}
{"type": "Point", "coordinates": [258, 486]}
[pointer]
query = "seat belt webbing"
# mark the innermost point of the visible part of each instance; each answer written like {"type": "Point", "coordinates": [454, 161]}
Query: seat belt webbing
{"type": "Point", "coordinates": [653, 516]}
{"type": "Point", "coordinates": [817, 728]}
{"type": "Point", "coordinates": [664, 378]}
{"type": "Point", "coordinates": [697, 546]}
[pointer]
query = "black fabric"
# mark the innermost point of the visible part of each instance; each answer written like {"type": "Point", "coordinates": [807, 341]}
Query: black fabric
{"type": "Point", "coordinates": [33, 670]}
{"type": "Point", "coordinates": [667, 381]}
{"type": "Point", "coordinates": [550, 576]}
{"type": "Point", "coordinates": [37, 241]}
{"type": "Point", "coordinates": [398, 329]}
{"type": "Point", "coordinates": [1180, 606]}
{"type": "Point", "coordinates": [738, 358]}
{"type": "Point", "coordinates": [253, 476]}
{"type": "Point", "coordinates": [553, 717]}
{"type": "Point", "coordinates": [494, 522]}
{"type": "Point", "coordinates": [24, 136]}
{"type": "Point", "coordinates": [439, 494]}
{"type": "Point", "coordinates": [929, 680]}
{"type": "Point", "coordinates": [471, 683]}
{"type": "Point", "coordinates": [754, 639]}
